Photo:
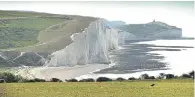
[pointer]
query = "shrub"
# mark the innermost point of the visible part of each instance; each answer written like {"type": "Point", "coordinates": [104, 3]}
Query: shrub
{"type": "Point", "coordinates": [169, 76]}
{"type": "Point", "coordinates": [8, 77]}
{"type": "Point", "coordinates": [120, 79]}
{"type": "Point", "coordinates": [161, 76]}
{"type": "Point", "coordinates": [55, 80]}
{"type": "Point", "coordinates": [192, 74]}
{"type": "Point", "coordinates": [87, 80]}
{"type": "Point", "coordinates": [19, 78]}
{"type": "Point", "coordinates": [144, 76]}
{"type": "Point", "coordinates": [30, 80]}
{"type": "Point", "coordinates": [2, 81]}
{"type": "Point", "coordinates": [103, 79]}
{"type": "Point", "coordinates": [131, 78]}
{"type": "Point", "coordinates": [72, 80]}
{"type": "Point", "coordinates": [151, 77]}
{"type": "Point", "coordinates": [39, 80]}
{"type": "Point", "coordinates": [185, 76]}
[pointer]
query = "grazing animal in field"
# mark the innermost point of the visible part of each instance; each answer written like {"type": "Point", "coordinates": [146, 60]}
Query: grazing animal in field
{"type": "Point", "coordinates": [152, 85]}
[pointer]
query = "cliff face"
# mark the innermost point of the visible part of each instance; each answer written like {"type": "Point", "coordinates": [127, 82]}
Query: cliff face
{"type": "Point", "coordinates": [90, 46]}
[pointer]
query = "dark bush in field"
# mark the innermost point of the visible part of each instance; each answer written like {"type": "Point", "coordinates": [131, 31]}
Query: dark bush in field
{"type": "Point", "coordinates": [2, 81]}
{"type": "Point", "coordinates": [151, 77]}
{"type": "Point", "coordinates": [161, 76]}
{"type": "Point", "coordinates": [169, 76]}
{"type": "Point", "coordinates": [8, 77]}
{"type": "Point", "coordinates": [39, 80]}
{"type": "Point", "coordinates": [120, 79]}
{"type": "Point", "coordinates": [185, 76]}
{"type": "Point", "coordinates": [71, 80]}
{"type": "Point", "coordinates": [144, 76]}
{"type": "Point", "coordinates": [55, 80]}
{"type": "Point", "coordinates": [131, 78]}
{"type": "Point", "coordinates": [30, 80]}
{"type": "Point", "coordinates": [192, 74]}
{"type": "Point", "coordinates": [103, 79]}
{"type": "Point", "coordinates": [87, 80]}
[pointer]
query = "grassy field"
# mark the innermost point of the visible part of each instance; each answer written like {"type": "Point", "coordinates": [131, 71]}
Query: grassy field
{"type": "Point", "coordinates": [33, 31]}
{"type": "Point", "coordinates": [13, 14]}
{"type": "Point", "coordinates": [21, 32]}
{"type": "Point", "coordinates": [162, 88]}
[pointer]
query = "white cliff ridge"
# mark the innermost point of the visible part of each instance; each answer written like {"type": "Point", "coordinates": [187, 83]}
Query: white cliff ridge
{"type": "Point", "coordinates": [90, 46]}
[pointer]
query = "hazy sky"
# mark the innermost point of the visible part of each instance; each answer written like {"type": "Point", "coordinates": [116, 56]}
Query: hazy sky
{"type": "Point", "coordinates": [180, 14]}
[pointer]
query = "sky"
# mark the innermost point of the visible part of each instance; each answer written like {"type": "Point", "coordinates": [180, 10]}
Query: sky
{"type": "Point", "coordinates": [176, 13]}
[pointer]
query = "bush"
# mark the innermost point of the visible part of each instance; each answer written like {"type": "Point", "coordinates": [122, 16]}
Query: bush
{"type": "Point", "coordinates": [72, 80]}
{"type": "Point", "coordinates": [192, 74]}
{"type": "Point", "coordinates": [55, 80]}
{"type": "Point", "coordinates": [8, 77]}
{"type": "Point", "coordinates": [169, 76]}
{"type": "Point", "coordinates": [87, 80]}
{"type": "Point", "coordinates": [31, 80]}
{"type": "Point", "coordinates": [185, 76]}
{"type": "Point", "coordinates": [103, 79]}
{"type": "Point", "coordinates": [120, 79]}
{"type": "Point", "coordinates": [161, 76]}
{"type": "Point", "coordinates": [19, 78]}
{"type": "Point", "coordinates": [144, 76]}
{"type": "Point", "coordinates": [151, 77]}
{"type": "Point", "coordinates": [131, 78]}
{"type": "Point", "coordinates": [39, 80]}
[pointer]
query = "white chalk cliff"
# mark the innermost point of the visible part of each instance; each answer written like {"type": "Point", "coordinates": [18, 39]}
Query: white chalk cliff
{"type": "Point", "coordinates": [90, 46]}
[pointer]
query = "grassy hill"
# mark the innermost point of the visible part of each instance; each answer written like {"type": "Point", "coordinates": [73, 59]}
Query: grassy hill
{"type": "Point", "coordinates": [32, 31]}
{"type": "Point", "coordinates": [144, 30]}
{"type": "Point", "coordinates": [162, 88]}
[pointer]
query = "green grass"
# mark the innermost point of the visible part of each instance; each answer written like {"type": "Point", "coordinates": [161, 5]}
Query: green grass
{"type": "Point", "coordinates": [144, 30]}
{"type": "Point", "coordinates": [21, 29]}
{"type": "Point", "coordinates": [162, 88]}
{"type": "Point", "coordinates": [23, 32]}
{"type": "Point", "coordinates": [11, 14]}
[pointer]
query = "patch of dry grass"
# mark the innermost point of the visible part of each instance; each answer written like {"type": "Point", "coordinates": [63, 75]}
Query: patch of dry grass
{"type": "Point", "coordinates": [162, 88]}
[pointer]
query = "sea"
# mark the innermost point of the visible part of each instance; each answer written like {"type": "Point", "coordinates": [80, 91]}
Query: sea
{"type": "Point", "coordinates": [151, 57]}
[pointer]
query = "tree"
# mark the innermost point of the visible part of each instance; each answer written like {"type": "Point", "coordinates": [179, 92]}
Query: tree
{"type": "Point", "coordinates": [169, 76]}
{"type": "Point", "coordinates": [185, 76]}
{"type": "Point", "coordinates": [87, 80]}
{"type": "Point", "coordinates": [30, 80]}
{"type": "Point", "coordinates": [39, 80]}
{"type": "Point", "coordinates": [120, 79]}
{"type": "Point", "coordinates": [103, 79]}
{"type": "Point", "coordinates": [131, 78]}
{"type": "Point", "coordinates": [72, 80]}
{"type": "Point", "coordinates": [161, 75]}
{"type": "Point", "coordinates": [144, 76]}
{"type": "Point", "coordinates": [8, 77]}
{"type": "Point", "coordinates": [151, 77]}
{"type": "Point", "coordinates": [55, 80]}
{"type": "Point", "coordinates": [192, 74]}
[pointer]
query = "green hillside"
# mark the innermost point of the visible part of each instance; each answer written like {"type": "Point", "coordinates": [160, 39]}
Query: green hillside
{"type": "Point", "coordinates": [28, 31]}
{"type": "Point", "coordinates": [162, 88]}
{"type": "Point", "coordinates": [15, 14]}
{"type": "Point", "coordinates": [143, 30]}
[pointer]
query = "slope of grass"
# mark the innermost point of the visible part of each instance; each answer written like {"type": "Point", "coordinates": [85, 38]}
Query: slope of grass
{"type": "Point", "coordinates": [20, 32]}
{"type": "Point", "coordinates": [143, 30]}
{"type": "Point", "coordinates": [162, 88]}
{"type": "Point", "coordinates": [11, 14]}
{"type": "Point", "coordinates": [32, 31]}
